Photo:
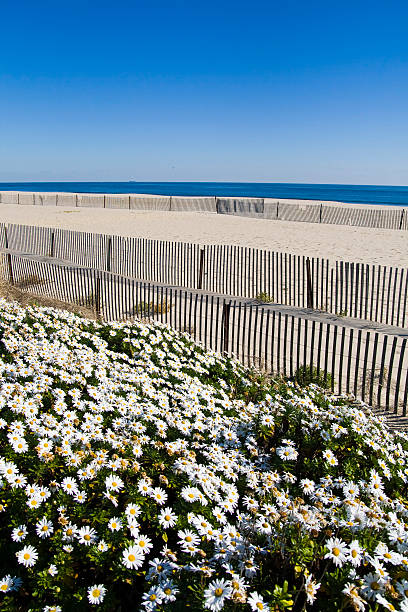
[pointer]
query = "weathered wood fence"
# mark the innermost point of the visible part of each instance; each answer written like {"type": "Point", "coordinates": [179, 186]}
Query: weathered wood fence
{"type": "Point", "coordinates": [261, 208]}
{"type": "Point", "coordinates": [372, 292]}
{"type": "Point", "coordinates": [371, 365]}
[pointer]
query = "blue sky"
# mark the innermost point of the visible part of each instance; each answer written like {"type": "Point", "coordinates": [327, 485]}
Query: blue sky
{"type": "Point", "coordinates": [290, 91]}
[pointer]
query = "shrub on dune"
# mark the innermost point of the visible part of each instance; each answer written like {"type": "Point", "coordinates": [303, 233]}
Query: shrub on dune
{"type": "Point", "coordinates": [140, 471]}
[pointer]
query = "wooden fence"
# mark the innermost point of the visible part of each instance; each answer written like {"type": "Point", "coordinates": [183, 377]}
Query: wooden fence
{"type": "Point", "coordinates": [372, 292]}
{"type": "Point", "coordinates": [371, 365]}
{"type": "Point", "coordinates": [261, 208]}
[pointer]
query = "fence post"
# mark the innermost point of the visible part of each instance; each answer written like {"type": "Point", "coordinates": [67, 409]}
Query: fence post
{"type": "Point", "coordinates": [52, 244]}
{"type": "Point", "coordinates": [402, 218]}
{"type": "Point", "coordinates": [320, 214]}
{"type": "Point", "coordinates": [104, 201]}
{"type": "Point", "coordinates": [201, 269]}
{"type": "Point", "coordinates": [76, 200]}
{"type": "Point", "coordinates": [109, 254]}
{"type": "Point", "coordinates": [277, 209]}
{"type": "Point", "coordinates": [225, 326]}
{"type": "Point", "coordinates": [8, 257]}
{"type": "Point", "coordinates": [10, 269]}
{"type": "Point", "coordinates": [129, 202]}
{"type": "Point", "coordinates": [309, 284]}
{"type": "Point", "coordinates": [56, 199]}
{"type": "Point", "coordinates": [170, 204]}
{"type": "Point", "coordinates": [97, 298]}
{"type": "Point", "coordinates": [18, 197]}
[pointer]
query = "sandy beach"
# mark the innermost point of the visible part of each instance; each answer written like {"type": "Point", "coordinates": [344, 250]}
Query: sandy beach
{"type": "Point", "coordinates": [357, 244]}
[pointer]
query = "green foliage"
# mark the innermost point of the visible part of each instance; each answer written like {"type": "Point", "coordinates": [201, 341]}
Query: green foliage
{"type": "Point", "coordinates": [264, 297]}
{"type": "Point", "coordinates": [306, 374]}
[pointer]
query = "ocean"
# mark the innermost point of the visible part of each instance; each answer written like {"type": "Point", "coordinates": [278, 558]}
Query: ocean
{"type": "Point", "coordinates": [354, 194]}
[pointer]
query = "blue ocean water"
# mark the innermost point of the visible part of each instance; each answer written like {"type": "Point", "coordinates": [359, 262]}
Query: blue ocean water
{"type": "Point", "coordinates": [361, 194]}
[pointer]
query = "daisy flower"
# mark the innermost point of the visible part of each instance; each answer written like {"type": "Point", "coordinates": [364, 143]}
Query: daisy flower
{"type": "Point", "coordinates": [167, 518]}
{"type": "Point", "coordinates": [96, 594]}
{"type": "Point", "coordinates": [115, 524]}
{"type": "Point", "coordinates": [337, 551]}
{"type": "Point", "coordinates": [311, 588]}
{"type": "Point", "coordinates": [114, 483]}
{"type": "Point", "coordinates": [330, 458]}
{"type": "Point", "coordinates": [257, 602]}
{"type": "Point", "coordinates": [169, 591]}
{"type": "Point", "coordinates": [86, 535]}
{"type": "Point", "coordinates": [27, 556]}
{"type": "Point", "coordinates": [6, 584]}
{"type": "Point", "coordinates": [216, 594]}
{"type": "Point", "coordinates": [159, 495]}
{"type": "Point", "coordinates": [133, 511]}
{"type": "Point", "coordinates": [132, 557]}
{"type": "Point", "coordinates": [102, 546]}
{"type": "Point", "coordinates": [152, 598]}
{"type": "Point", "coordinates": [44, 528]}
{"type": "Point", "coordinates": [188, 538]}
{"type": "Point", "coordinates": [373, 585]}
{"type": "Point", "coordinates": [144, 544]}
{"type": "Point", "coordinates": [19, 533]}
{"type": "Point", "coordinates": [355, 553]}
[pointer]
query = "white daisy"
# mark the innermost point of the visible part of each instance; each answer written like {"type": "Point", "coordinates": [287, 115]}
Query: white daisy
{"type": "Point", "coordinates": [96, 594]}
{"type": "Point", "coordinates": [27, 556]}
{"type": "Point", "coordinates": [133, 557]}
{"type": "Point", "coordinates": [216, 593]}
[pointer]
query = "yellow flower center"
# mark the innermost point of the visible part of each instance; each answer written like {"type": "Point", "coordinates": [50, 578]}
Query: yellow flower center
{"type": "Point", "coordinates": [152, 597]}
{"type": "Point", "coordinates": [375, 586]}
{"type": "Point", "coordinates": [44, 528]}
{"type": "Point", "coordinates": [26, 556]}
{"type": "Point", "coordinates": [218, 592]}
{"type": "Point", "coordinates": [387, 556]}
{"type": "Point", "coordinates": [87, 537]}
{"type": "Point", "coordinates": [188, 539]}
{"type": "Point", "coordinates": [167, 591]}
{"type": "Point", "coordinates": [336, 552]}
{"type": "Point", "coordinates": [354, 554]}
{"type": "Point", "coordinates": [3, 587]}
{"type": "Point", "coordinates": [131, 557]}
{"type": "Point", "coordinates": [167, 517]}
{"type": "Point", "coordinates": [259, 605]}
{"type": "Point", "coordinates": [142, 543]}
{"type": "Point", "coordinates": [96, 593]}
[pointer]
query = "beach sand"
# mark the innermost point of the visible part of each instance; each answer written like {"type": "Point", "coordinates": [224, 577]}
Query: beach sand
{"type": "Point", "coordinates": [354, 244]}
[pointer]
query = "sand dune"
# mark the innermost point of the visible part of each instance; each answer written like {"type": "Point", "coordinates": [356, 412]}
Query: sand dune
{"type": "Point", "coordinates": [357, 244]}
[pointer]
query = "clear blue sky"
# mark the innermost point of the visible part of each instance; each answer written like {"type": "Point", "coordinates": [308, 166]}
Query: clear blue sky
{"type": "Point", "coordinates": [302, 91]}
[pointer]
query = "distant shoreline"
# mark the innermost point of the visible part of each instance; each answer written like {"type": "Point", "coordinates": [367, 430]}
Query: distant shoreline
{"type": "Point", "coordinates": [372, 195]}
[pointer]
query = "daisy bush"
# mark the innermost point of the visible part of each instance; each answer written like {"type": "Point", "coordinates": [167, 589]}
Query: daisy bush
{"type": "Point", "coordinates": [139, 471]}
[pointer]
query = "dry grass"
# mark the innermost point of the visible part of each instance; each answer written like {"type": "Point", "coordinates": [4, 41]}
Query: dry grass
{"type": "Point", "coordinates": [14, 294]}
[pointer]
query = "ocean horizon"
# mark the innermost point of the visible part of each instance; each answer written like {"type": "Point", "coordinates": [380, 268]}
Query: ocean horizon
{"type": "Point", "coordinates": [350, 194]}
